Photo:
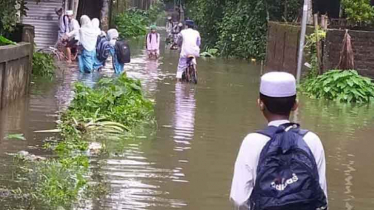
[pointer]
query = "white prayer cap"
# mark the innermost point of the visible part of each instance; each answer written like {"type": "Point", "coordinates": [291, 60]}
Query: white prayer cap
{"type": "Point", "coordinates": [278, 84]}
{"type": "Point", "coordinates": [69, 12]}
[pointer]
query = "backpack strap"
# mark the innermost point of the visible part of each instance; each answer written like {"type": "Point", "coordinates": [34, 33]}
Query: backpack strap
{"type": "Point", "coordinates": [271, 130]}
{"type": "Point", "coordinates": [303, 132]}
{"type": "Point", "coordinates": [64, 21]}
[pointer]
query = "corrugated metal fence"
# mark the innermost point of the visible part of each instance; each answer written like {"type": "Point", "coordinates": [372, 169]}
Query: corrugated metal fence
{"type": "Point", "coordinates": [43, 17]}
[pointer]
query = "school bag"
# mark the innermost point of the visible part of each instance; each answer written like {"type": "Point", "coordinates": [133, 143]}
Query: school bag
{"type": "Point", "coordinates": [287, 173]}
{"type": "Point", "coordinates": [102, 48]}
{"type": "Point", "coordinates": [122, 50]}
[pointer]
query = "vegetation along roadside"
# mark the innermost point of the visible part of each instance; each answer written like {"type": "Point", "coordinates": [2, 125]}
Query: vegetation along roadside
{"type": "Point", "coordinates": [109, 111]}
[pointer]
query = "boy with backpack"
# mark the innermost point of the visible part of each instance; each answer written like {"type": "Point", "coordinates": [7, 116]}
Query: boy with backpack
{"type": "Point", "coordinates": [153, 43]}
{"type": "Point", "coordinates": [119, 50]}
{"type": "Point", "coordinates": [282, 167]}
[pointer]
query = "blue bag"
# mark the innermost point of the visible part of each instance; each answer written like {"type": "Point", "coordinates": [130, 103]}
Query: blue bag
{"type": "Point", "coordinates": [287, 173]}
{"type": "Point", "coordinates": [102, 49]}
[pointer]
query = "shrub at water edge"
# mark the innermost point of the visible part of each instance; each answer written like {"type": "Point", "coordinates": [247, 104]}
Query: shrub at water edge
{"type": "Point", "coordinates": [110, 109]}
{"type": "Point", "coordinates": [43, 65]}
{"type": "Point", "coordinates": [342, 86]}
{"type": "Point", "coordinates": [131, 24]}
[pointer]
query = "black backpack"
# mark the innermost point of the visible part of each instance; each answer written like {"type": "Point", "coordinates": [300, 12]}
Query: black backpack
{"type": "Point", "coordinates": [287, 173]}
{"type": "Point", "coordinates": [123, 53]}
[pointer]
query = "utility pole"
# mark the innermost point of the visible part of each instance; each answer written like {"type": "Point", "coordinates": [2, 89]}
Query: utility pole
{"type": "Point", "coordinates": [302, 40]}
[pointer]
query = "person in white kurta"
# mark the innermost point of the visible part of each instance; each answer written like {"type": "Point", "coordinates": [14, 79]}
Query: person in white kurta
{"type": "Point", "coordinates": [153, 42]}
{"type": "Point", "coordinates": [73, 40]}
{"type": "Point", "coordinates": [190, 41]}
{"type": "Point", "coordinates": [247, 160]}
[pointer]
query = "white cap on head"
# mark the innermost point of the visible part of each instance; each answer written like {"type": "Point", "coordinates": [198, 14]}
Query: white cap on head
{"type": "Point", "coordinates": [69, 12]}
{"type": "Point", "coordinates": [278, 84]}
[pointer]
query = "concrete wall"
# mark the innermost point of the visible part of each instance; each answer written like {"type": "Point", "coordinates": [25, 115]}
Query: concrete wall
{"type": "Point", "coordinates": [363, 48]}
{"type": "Point", "coordinates": [15, 68]}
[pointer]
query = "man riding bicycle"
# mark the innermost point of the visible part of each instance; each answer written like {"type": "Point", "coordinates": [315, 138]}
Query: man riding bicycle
{"type": "Point", "coordinates": [174, 36]}
{"type": "Point", "coordinates": [189, 40]}
{"type": "Point", "coordinates": [169, 27]}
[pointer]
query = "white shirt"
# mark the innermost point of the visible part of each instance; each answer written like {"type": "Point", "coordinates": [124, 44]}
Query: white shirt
{"type": "Point", "coordinates": [74, 29]}
{"type": "Point", "coordinates": [190, 42]}
{"type": "Point", "coordinates": [247, 161]}
{"type": "Point", "coordinates": [64, 24]}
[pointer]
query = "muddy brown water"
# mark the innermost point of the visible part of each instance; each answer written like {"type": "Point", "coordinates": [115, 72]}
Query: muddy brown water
{"type": "Point", "coordinates": [188, 162]}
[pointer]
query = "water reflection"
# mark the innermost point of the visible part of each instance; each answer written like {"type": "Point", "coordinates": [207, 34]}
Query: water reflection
{"type": "Point", "coordinates": [184, 116]}
{"type": "Point", "coordinates": [188, 163]}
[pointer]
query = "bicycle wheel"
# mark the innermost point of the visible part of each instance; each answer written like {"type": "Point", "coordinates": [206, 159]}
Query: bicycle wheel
{"type": "Point", "coordinates": [194, 75]}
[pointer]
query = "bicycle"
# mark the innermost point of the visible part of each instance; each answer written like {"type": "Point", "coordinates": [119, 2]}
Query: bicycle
{"type": "Point", "coordinates": [190, 74]}
{"type": "Point", "coordinates": [54, 52]}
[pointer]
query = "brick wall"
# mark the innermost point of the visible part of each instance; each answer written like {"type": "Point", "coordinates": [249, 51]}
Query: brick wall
{"type": "Point", "coordinates": [283, 41]}
{"type": "Point", "coordinates": [363, 48]}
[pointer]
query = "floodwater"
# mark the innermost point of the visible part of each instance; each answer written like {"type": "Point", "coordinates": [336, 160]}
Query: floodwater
{"type": "Point", "coordinates": [188, 161]}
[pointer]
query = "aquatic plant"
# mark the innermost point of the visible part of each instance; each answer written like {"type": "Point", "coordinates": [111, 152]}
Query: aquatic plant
{"type": "Point", "coordinates": [342, 86]}
{"type": "Point", "coordinates": [18, 136]}
{"type": "Point", "coordinates": [108, 111]}
{"type": "Point", "coordinates": [118, 100]}
{"type": "Point", "coordinates": [43, 65]}
{"type": "Point", "coordinates": [210, 53]}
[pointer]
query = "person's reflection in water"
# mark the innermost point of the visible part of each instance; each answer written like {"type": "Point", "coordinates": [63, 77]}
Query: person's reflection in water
{"type": "Point", "coordinates": [89, 79]}
{"type": "Point", "coordinates": [152, 74]}
{"type": "Point", "coordinates": [184, 117]}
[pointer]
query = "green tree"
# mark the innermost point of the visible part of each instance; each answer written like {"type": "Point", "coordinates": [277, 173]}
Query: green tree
{"type": "Point", "coordinates": [238, 27]}
{"type": "Point", "coordinates": [359, 11]}
{"type": "Point", "coordinates": [10, 12]}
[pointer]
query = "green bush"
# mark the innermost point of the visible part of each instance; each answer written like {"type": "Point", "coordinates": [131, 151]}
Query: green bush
{"type": "Point", "coordinates": [43, 65]}
{"type": "Point", "coordinates": [238, 28]}
{"type": "Point", "coordinates": [9, 13]}
{"type": "Point", "coordinates": [156, 11]}
{"type": "Point", "coordinates": [60, 182]}
{"type": "Point", "coordinates": [311, 50]}
{"type": "Point", "coordinates": [132, 23]}
{"type": "Point", "coordinates": [119, 100]}
{"type": "Point", "coordinates": [341, 86]}
{"type": "Point", "coordinates": [242, 32]}
{"type": "Point", "coordinates": [359, 11]}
